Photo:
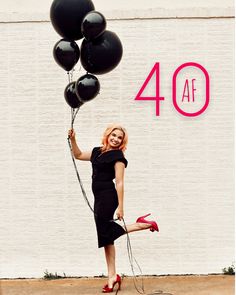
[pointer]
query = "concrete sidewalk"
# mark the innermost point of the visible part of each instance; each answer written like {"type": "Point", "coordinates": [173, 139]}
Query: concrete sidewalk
{"type": "Point", "coordinates": [162, 285]}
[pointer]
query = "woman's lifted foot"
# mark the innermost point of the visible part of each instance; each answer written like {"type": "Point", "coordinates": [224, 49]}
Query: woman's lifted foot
{"type": "Point", "coordinates": [153, 224]}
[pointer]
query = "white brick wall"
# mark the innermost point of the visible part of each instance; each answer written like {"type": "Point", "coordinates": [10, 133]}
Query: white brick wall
{"type": "Point", "coordinates": [180, 169]}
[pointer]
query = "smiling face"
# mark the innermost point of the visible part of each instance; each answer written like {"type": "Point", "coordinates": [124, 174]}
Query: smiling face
{"type": "Point", "coordinates": [115, 139]}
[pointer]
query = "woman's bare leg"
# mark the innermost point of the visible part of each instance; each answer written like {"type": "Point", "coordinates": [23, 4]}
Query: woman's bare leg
{"type": "Point", "coordinates": [110, 254]}
{"type": "Point", "coordinates": [136, 226]}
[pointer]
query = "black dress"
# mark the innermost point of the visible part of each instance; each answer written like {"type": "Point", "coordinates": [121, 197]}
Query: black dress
{"type": "Point", "coordinates": [105, 194]}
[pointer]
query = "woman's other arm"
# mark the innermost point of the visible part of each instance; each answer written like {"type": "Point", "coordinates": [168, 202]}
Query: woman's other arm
{"type": "Point", "coordinates": [119, 176]}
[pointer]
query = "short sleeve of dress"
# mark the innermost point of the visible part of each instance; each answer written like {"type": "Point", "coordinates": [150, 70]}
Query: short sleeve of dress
{"type": "Point", "coordinates": [118, 156]}
{"type": "Point", "coordinates": [122, 160]}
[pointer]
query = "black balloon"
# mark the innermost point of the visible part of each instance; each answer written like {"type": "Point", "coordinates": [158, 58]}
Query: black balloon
{"type": "Point", "coordinates": [67, 15]}
{"type": "Point", "coordinates": [93, 25]}
{"type": "Point", "coordinates": [71, 97]}
{"type": "Point", "coordinates": [101, 55]}
{"type": "Point", "coordinates": [87, 87]}
{"type": "Point", "coordinates": [66, 53]}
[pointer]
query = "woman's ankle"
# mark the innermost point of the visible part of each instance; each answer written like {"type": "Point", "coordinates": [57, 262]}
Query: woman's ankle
{"type": "Point", "coordinates": [112, 276]}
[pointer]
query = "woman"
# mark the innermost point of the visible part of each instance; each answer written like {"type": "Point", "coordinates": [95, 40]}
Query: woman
{"type": "Point", "coordinates": [108, 163]}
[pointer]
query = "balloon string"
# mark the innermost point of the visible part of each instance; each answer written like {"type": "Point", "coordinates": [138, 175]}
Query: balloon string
{"type": "Point", "coordinates": [132, 259]}
{"type": "Point", "coordinates": [80, 182]}
{"type": "Point", "coordinates": [73, 116]}
{"type": "Point", "coordinates": [70, 75]}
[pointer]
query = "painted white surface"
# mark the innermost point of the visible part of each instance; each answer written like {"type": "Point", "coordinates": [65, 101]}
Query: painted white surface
{"type": "Point", "coordinates": [12, 5]}
{"type": "Point", "coordinates": [180, 169]}
{"type": "Point", "coordinates": [32, 10]}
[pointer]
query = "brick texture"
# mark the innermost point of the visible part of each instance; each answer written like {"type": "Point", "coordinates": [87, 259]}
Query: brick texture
{"type": "Point", "coordinates": [180, 169]}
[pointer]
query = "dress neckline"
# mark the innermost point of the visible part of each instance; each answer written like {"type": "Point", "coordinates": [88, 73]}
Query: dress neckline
{"type": "Point", "coordinates": [107, 152]}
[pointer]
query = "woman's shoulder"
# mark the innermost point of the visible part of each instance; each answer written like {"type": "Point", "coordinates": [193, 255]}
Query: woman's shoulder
{"type": "Point", "coordinates": [114, 156]}
{"type": "Point", "coordinates": [95, 152]}
{"type": "Point", "coordinates": [97, 149]}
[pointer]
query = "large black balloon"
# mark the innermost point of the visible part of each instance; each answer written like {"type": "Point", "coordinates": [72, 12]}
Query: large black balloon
{"type": "Point", "coordinates": [87, 87]}
{"type": "Point", "coordinates": [67, 15]}
{"type": "Point", "coordinates": [101, 55]}
{"type": "Point", "coordinates": [93, 25]}
{"type": "Point", "coordinates": [71, 97]}
{"type": "Point", "coordinates": [66, 53]}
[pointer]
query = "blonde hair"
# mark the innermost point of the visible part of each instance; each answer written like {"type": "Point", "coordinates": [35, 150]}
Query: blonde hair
{"type": "Point", "coordinates": [108, 131]}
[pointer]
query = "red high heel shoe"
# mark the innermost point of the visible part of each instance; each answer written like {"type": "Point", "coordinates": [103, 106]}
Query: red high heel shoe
{"type": "Point", "coordinates": [106, 289]}
{"type": "Point", "coordinates": [153, 223]}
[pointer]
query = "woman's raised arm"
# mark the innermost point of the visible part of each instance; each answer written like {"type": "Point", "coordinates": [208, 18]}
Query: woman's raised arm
{"type": "Point", "coordinates": [78, 154]}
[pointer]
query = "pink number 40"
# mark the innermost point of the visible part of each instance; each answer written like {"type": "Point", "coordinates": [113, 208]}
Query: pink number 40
{"type": "Point", "coordinates": [186, 92]}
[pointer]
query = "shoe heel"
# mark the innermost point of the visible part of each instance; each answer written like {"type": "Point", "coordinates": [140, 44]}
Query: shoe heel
{"type": "Point", "coordinates": [146, 215]}
{"type": "Point", "coordinates": [119, 287]}
{"type": "Point", "coordinates": [141, 218]}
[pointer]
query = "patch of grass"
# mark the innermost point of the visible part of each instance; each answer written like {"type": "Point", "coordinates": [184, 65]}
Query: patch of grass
{"type": "Point", "coordinates": [100, 276]}
{"type": "Point", "coordinates": [51, 276]}
{"type": "Point", "coordinates": [229, 270]}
